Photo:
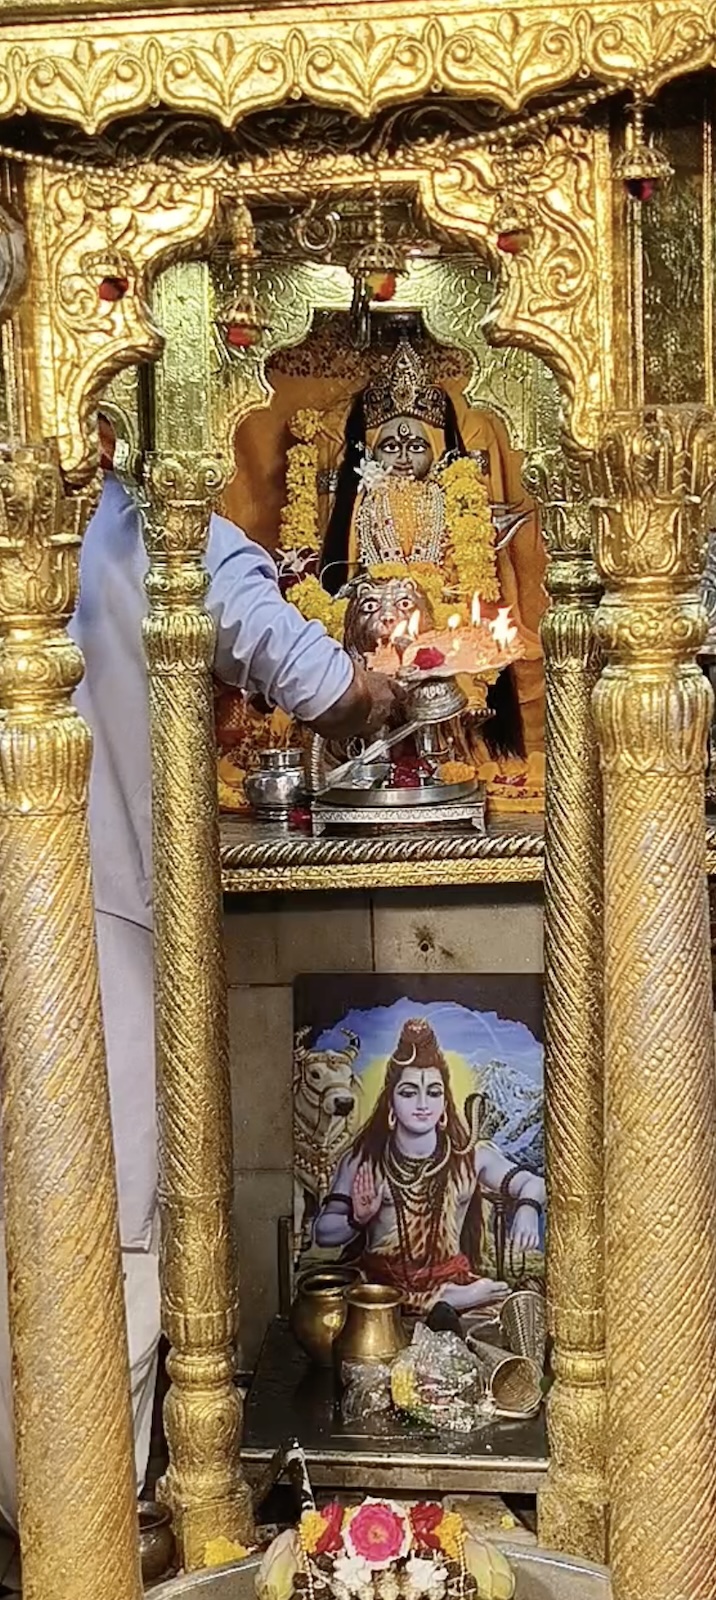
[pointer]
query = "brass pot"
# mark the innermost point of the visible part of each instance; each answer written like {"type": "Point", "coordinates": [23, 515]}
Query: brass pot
{"type": "Point", "coordinates": [156, 1541]}
{"type": "Point", "coordinates": [373, 1331]}
{"type": "Point", "coordinates": [319, 1310]}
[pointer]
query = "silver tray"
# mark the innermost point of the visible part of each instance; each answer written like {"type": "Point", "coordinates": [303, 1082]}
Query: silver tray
{"type": "Point", "coordinates": [431, 794]}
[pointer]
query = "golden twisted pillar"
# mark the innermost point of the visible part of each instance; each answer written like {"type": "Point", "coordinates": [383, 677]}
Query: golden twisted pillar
{"type": "Point", "coordinates": [75, 1456]}
{"type": "Point", "coordinates": [204, 1486]}
{"type": "Point", "coordinates": [651, 480]}
{"type": "Point", "coordinates": [572, 1505]}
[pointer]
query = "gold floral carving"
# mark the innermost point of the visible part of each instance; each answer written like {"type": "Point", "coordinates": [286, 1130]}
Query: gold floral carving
{"type": "Point", "coordinates": [651, 482]}
{"type": "Point", "coordinates": [357, 58]}
{"type": "Point", "coordinates": [289, 294]}
{"type": "Point", "coordinates": [65, 1285]}
{"type": "Point", "coordinates": [550, 300]}
{"type": "Point", "coordinates": [573, 1503]}
{"type": "Point", "coordinates": [77, 222]}
{"type": "Point", "coordinates": [203, 1485]}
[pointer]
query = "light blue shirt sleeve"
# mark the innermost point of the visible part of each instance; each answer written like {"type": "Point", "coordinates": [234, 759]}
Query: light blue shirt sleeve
{"type": "Point", "coordinates": [263, 642]}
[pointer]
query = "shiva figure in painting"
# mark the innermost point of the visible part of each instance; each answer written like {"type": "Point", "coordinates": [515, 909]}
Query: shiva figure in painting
{"type": "Point", "coordinates": [409, 1193]}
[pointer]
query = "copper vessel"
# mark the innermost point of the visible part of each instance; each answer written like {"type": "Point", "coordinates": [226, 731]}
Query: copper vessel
{"type": "Point", "coordinates": [373, 1330]}
{"type": "Point", "coordinates": [319, 1310]}
{"type": "Point", "coordinates": [156, 1541]}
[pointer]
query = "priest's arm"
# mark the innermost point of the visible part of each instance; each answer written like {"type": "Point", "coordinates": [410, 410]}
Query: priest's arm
{"type": "Point", "coordinates": [264, 644]}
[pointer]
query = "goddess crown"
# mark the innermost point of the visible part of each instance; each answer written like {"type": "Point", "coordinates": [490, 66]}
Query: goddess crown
{"type": "Point", "coordinates": [403, 390]}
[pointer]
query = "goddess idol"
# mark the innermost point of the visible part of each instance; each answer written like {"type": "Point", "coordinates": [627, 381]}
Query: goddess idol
{"type": "Point", "coordinates": [389, 500]}
{"type": "Point", "coordinates": [411, 508]}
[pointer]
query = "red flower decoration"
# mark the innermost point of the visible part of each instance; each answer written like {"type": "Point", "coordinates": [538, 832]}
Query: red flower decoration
{"type": "Point", "coordinates": [425, 1520]}
{"type": "Point", "coordinates": [300, 818]}
{"type": "Point", "coordinates": [405, 777]}
{"type": "Point", "coordinates": [113, 289]}
{"type": "Point", "coordinates": [428, 657]}
{"type": "Point", "coordinates": [331, 1540]}
{"type": "Point", "coordinates": [379, 1532]}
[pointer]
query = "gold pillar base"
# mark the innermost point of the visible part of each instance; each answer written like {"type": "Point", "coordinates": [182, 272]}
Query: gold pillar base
{"type": "Point", "coordinates": [572, 1505]}
{"type": "Point", "coordinates": [206, 1494]}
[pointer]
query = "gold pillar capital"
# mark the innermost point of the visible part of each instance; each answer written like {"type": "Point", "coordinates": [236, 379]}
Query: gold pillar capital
{"type": "Point", "coordinates": [40, 531]}
{"type": "Point", "coordinates": [182, 488]}
{"type": "Point", "coordinates": [650, 483]}
{"type": "Point", "coordinates": [556, 477]}
{"type": "Point", "coordinates": [41, 526]}
{"type": "Point", "coordinates": [652, 480]}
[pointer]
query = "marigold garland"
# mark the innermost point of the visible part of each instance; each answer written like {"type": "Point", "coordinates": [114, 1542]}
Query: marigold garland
{"type": "Point", "coordinates": [299, 518]}
{"type": "Point", "coordinates": [451, 1533]}
{"type": "Point", "coordinates": [470, 529]}
{"type": "Point", "coordinates": [467, 518]}
{"type": "Point", "coordinates": [316, 606]}
{"type": "Point", "coordinates": [220, 1552]}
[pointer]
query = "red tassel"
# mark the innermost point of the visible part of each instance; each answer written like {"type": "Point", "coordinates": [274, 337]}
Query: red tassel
{"type": "Point", "coordinates": [513, 241]}
{"type": "Point", "coordinates": [381, 285]}
{"type": "Point", "coordinates": [242, 337]}
{"type": "Point", "coordinates": [641, 189]}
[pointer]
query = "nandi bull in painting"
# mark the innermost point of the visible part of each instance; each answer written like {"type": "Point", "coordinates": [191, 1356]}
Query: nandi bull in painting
{"type": "Point", "coordinates": [325, 1107]}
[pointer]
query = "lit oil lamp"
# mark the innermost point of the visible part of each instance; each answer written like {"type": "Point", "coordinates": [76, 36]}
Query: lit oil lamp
{"type": "Point", "coordinates": [474, 648]}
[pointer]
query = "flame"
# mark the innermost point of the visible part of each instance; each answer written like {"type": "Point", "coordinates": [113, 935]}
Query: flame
{"type": "Point", "coordinates": [501, 629]}
{"type": "Point", "coordinates": [476, 612]}
{"type": "Point", "coordinates": [454, 620]}
{"type": "Point", "coordinates": [414, 625]}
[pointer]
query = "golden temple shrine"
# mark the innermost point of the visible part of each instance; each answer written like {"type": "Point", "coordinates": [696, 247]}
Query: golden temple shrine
{"type": "Point", "coordinates": [357, 621]}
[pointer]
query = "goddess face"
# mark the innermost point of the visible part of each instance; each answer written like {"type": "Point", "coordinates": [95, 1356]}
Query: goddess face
{"type": "Point", "coordinates": [418, 1099]}
{"type": "Point", "coordinates": [404, 446]}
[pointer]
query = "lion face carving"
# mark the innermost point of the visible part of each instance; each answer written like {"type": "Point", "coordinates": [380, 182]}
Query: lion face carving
{"type": "Point", "coordinates": [376, 607]}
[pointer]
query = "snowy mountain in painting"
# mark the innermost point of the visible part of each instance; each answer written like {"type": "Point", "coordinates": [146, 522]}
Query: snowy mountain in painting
{"type": "Point", "coordinates": [512, 1112]}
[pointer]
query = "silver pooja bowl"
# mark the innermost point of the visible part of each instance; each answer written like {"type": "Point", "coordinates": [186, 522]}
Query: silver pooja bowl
{"type": "Point", "coordinates": [540, 1576]}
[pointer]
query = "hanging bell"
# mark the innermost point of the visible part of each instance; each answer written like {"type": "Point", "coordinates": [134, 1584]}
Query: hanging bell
{"type": "Point", "coordinates": [240, 320]}
{"type": "Point", "coordinates": [240, 323]}
{"type": "Point", "coordinates": [112, 271]}
{"type": "Point", "coordinates": [511, 224]}
{"type": "Point", "coordinates": [376, 267]}
{"type": "Point", "coordinates": [377, 264]}
{"type": "Point", "coordinates": [513, 238]}
{"type": "Point", "coordinates": [643, 166]}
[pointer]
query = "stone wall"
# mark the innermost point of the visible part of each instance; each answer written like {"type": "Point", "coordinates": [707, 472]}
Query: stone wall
{"type": "Point", "coordinates": [270, 940]}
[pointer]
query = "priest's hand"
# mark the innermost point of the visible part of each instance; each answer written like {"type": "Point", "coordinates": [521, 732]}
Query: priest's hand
{"type": "Point", "coordinates": [372, 702]}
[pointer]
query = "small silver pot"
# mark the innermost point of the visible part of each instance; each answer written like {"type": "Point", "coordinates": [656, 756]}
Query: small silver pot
{"type": "Point", "coordinates": [277, 787]}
